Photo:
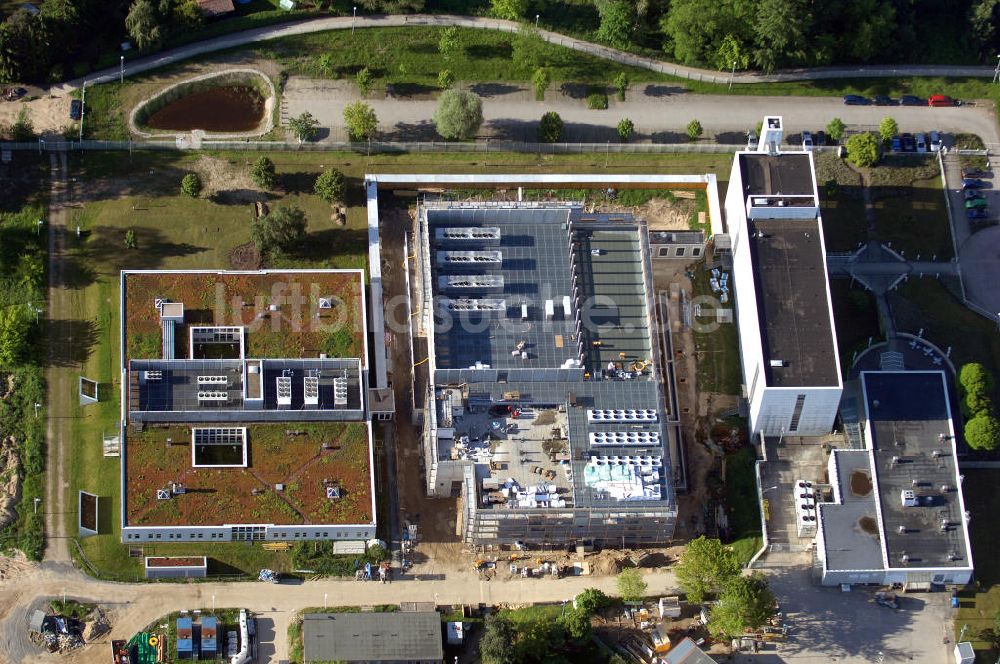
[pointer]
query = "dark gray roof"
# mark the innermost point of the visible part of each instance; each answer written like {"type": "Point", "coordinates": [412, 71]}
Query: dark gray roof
{"type": "Point", "coordinates": [789, 174]}
{"type": "Point", "coordinates": [361, 637]}
{"type": "Point", "coordinates": [687, 652]}
{"type": "Point", "coordinates": [677, 237]}
{"type": "Point", "coordinates": [910, 420]}
{"type": "Point", "coordinates": [851, 532]}
{"type": "Point", "coordinates": [790, 278]}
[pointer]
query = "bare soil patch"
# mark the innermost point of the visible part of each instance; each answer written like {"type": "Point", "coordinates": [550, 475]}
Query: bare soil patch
{"type": "Point", "coordinates": [861, 483]}
{"type": "Point", "coordinates": [245, 257]}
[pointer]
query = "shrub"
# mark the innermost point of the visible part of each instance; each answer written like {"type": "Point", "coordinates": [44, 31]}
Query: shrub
{"type": "Point", "coordinates": [550, 129]}
{"type": "Point", "coordinates": [365, 80]}
{"type": "Point", "coordinates": [631, 587]}
{"type": "Point", "coordinates": [625, 129]}
{"type": "Point", "coordinates": [597, 101]}
{"type": "Point", "coordinates": [23, 129]}
{"type": "Point", "coordinates": [130, 241]}
{"type": "Point", "coordinates": [621, 85]}
{"type": "Point", "coordinates": [360, 120]}
{"type": "Point", "coordinates": [887, 129]}
{"type": "Point", "coordinates": [511, 10]}
{"type": "Point", "coordinates": [279, 230]}
{"type": "Point", "coordinates": [863, 149]}
{"type": "Point", "coordinates": [262, 173]}
{"type": "Point", "coordinates": [330, 185]}
{"type": "Point", "coordinates": [445, 79]}
{"type": "Point", "coordinates": [592, 600]}
{"type": "Point", "coordinates": [540, 80]}
{"type": "Point", "coordinates": [449, 44]}
{"type": "Point", "coordinates": [835, 130]}
{"type": "Point", "coordinates": [305, 127]}
{"type": "Point", "coordinates": [982, 432]}
{"type": "Point", "coordinates": [458, 115]}
{"type": "Point", "coordinates": [191, 185]}
{"type": "Point", "coordinates": [694, 130]}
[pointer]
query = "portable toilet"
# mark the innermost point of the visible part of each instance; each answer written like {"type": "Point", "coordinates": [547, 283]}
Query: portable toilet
{"type": "Point", "coordinates": [964, 654]}
{"type": "Point", "coordinates": [670, 607]}
{"type": "Point", "coordinates": [185, 639]}
{"type": "Point", "coordinates": [209, 627]}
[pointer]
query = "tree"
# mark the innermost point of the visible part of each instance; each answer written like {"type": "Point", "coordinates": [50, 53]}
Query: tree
{"type": "Point", "coordinates": [449, 44]}
{"type": "Point", "coordinates": [731, 54]}
{"type": "Point", "coordinates": [186, 16]}
{"type": "Point", "coordinates": [887, 129]}
{"type": "Point", "coordinates": [497, 646]}
{"type": "Point", "coordinates": [262, 173]}
{"type": "Point", "coordinates": [327, 64]}
{"type": "Point", "coordinates": [974, 377]}
{"type": "Point", "coordinates": [304, 127]}
{"type": "Point", "coordinates": [191, 185]}
{"type": "Point", "coordinates": [631, 587]}
{"type": "Point", "coordinates": [576, 623]}
{"type": "Point", "coordinates": [15, 323]}
{"type": "Point", "coordinates": [745, 603]}
{"type": "Point", "coordinates": [621, 85]}
{"type": "Point", "coordinates": [591, 600]}
{"type": "Point", "coordinates": [458, 115]}
{"type": "Point", "coordinates": [835, 130]}
{"type": "Point", "coordinates": [705, 567]}
{"type": "Point", "coordinates": [143, 25]}
{"type": "Point", "coordinates": [528, 48]}
{"type": "Point", "coordinates": [330, 185]}
{"type": "Point", "coordinates": [781, 27]}
{"type": "Point", "coordinates": [982, 432]}
{"type": "Point", "coordinates": [445, 79]}
{"type": "Point", "coordinates": [541, 80]}
{"type": "Point", "coordinates": [279, 230]}
{"type": "Point", "coordinates": [360, 120]}
{"type": "Point", "coordinates": [365, 80]}
{"type": "Point", "coordinates": [23, 128]}
{"type": "Point", "coordinates": [130, 241]}
{"type": "Point", "coordinates": [550, 128]}
{"type": "Point", "coordinates": [863, 149]}
{"type": "Point", "coordinates": [983, 23]}
{"type": "Point", "coordinates": [625, 129]}
{"type": "Point", "coordinates": [617, 17]}
{"type": "Point", "coordinates": [393, 6]}
{"type": "Point", "coordinates": [61, 20]}
{"type": "Point", "coordinates": [694, 130]}
{"type": "Point", "coordinates": [25, 52]}
{"type": "Point", "coordinates": [511, 10]}
{"type": "Point", "coordinates": [694, 30]}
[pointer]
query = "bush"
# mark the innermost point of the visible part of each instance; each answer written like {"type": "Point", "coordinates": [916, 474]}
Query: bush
{"type": "Point", "coordinates": [597, 101]}
{"type": "Point", "coordinates": [278, 231]}
{"type": "Point", "coordinates": [617, 17]}
{"type": "Point", "coordinates": [694, 130]}
{"type": "Point", "coordinates": [330, 185]}
{"type": "Point", "coordinates": [445, 79]}
{"type": "Point", "coordinates": [305, 127]}
{"type": "Point", "coordinates": [365, 81]}
{"type": "Point", "coordinates": [592, 600]}
{"type": "Point", "coordinates": [130, 241]}
{"type": "Point", "coordinates": [449, 44]}
{"type": "Point", "coordinates": [511, 10]}
{"type": "Point", "coordinates": [887, 129]}
{"type": "Point", "coordinates": [625, 129]}
{"type": "Point", "coordinates": [835, 130]}
{"type": "Point", "coordinates": [540, 80]}
{"type": "Point", "coordinates": [621, 85]}
{"type": "Point", "coordinates": [550, 128]}
{"type": "Point", "coordinates": [982, 432]}
{"type": "Point", "coordinates": [863, 149]}
{"type": "Point", "coordinates": [459, 114]}
{"type": "Point", "coordinates": [191, 185]}
{"type": "Point", "coordinates": [262, 173]}
{"type": "Point", "coordinates": [631, 587]}
{"type": "Point", "coordinates": [23, 129]}
{"type": "Point", "coordinates": [360, 120]}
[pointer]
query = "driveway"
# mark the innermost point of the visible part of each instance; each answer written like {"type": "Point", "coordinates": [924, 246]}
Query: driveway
{"type": "Point", "coordinates": [979, 251]}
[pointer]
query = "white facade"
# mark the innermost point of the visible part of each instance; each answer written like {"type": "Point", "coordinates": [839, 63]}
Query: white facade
{"type": "Point", "coordinates": [806, 410]}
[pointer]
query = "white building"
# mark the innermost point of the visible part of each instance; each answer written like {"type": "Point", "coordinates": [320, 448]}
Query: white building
{"type": "Point", "coordinates": [788, 348]}
{"type": "Point", "coordinates": [898, 515]}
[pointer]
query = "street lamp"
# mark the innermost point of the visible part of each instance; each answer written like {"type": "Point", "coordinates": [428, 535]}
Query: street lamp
{"type": "Point", "coordinates": [536, 20]}
{"type": "Point", "coordinates": [37, 500]}
{"type": "Point", "coordinates": [732, 74]}
{"type": "Point", "coordinates": [37, 406]}
{"type": "Point", "coordinates": [213, 603]}
{"type": "Point", "coordinates": [41, 143]}
{"type": "Point", "coordinates": [38, 228]}
{"type": "Point", "coordinates": [770, 488]}
{"type": "Point", "coordinates": [354, 18]}
{"type": "Point", "coordinates": [324, 600]}
{"type": "Point", "coordinates": [121, 72]}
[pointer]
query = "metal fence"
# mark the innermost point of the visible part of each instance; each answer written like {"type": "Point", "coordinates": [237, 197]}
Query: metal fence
{"type": "Point", "coordinates": [383, 147]}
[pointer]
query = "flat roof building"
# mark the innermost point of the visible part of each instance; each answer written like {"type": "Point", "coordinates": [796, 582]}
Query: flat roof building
{"type": "Point", "coordinates": [244, 406]}
{"type": "Point", "coordinates": [788, 347]}
{"type": "Point", "coordinates": [898, 514]}
{"type": "Point", "coordinates": [544, 406]}
{"type": "Point", "coordinates": [373, 637]}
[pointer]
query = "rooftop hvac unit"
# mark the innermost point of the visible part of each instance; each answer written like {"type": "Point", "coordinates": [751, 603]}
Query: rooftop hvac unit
{"type": "Point", "coordinates": [621, 415]}
{"type": "Point", "coordinates": [947, 488]}
{"type": "Point", "coordinates": [550, 310]}
{"type": "Point", "coordinates": [310, 388]}
{"type": "Point", "coordinates": [153, 376]}
{"type": "Point", "coordinates": [777, 363]}
{"type": "Point", "coordinates": [213, 395]}
{"type": "Point", "coordinates": [284, 387]}
{"type": "Point", "coordinates": [474, 304]}
{"type": "Point", "coordinates": [213, 380]}
{"type": "Point", "coordinates": [567, 308]}
{"type": "Point", "coordinates": [340, 391]}
{"type": "Point", "coordinates": [908, 498]}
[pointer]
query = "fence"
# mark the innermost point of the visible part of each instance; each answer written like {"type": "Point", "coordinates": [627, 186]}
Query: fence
{"type": "Point", "coordinates": [383, 147]}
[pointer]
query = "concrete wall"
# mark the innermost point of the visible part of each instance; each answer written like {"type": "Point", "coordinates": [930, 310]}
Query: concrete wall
{"type": "Point", "coordinates": [775, 406]}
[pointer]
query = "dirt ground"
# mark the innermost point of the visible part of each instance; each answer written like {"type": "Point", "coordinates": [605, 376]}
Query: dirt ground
{"type": "Point", "coordinates": [48, 115]}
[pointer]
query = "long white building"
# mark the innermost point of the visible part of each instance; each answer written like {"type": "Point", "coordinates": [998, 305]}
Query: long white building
{"type": "Point", "coordinates": [788, 347]}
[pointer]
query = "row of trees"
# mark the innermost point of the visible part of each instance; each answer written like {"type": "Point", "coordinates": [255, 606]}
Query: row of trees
{"type": "Point", "coordinates": [975, 384]}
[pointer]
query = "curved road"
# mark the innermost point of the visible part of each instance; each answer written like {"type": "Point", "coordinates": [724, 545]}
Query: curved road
{"type": "Point", "coordinates": [346, 22]}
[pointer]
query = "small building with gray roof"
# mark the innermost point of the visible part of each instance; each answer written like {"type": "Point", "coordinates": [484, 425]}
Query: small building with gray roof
{"type": "Point", "coordinates": [373, 637]}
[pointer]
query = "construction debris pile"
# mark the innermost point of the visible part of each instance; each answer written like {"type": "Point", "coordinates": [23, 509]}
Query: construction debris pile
{"type": "Point", "coordinates": [56, 633]}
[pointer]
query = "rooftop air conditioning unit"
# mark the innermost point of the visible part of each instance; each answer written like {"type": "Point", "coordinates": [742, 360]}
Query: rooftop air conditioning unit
{"type": "Point", "coordinates": [908, 498]}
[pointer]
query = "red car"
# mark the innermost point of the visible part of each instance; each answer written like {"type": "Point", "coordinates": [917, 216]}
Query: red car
{"type": "Point", "coordinates": [942, 100]}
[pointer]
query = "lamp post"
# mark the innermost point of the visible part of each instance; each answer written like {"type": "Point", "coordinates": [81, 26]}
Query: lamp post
{"type": "Point", "coordinates": [37, 406]}
{"type": "Point", "coordinates": [537, 16]}
{"type": "Point", "coordinates": [121, 71]}
{"type": "Point", "coordinates": [732, 74]}
{"type": "Point", "coordinates": [324, 600]}
{"type": "Point", "coordinates": [213, 603]}
{"type": "Point", "coordinates": [354, 18]}
{"type": "Point", "coordinates": [38, 228]}
{"type": "Point", "coordinates": [83, 107]}
{"type": "Point", "coordinates": [41, 143]}
{"type": "Point", "coordinates": [37, 500]}
{"type": "Point", "coordinates": [996, 72]}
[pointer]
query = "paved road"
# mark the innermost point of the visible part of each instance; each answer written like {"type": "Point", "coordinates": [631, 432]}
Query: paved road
{"type": "Point", "coordinates": [660, 113]}
{"type": "Point", "coordinates": [346, 23]}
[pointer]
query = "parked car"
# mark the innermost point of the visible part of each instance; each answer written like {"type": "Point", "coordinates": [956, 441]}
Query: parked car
{"type": "Point", "coordinates": [819, 138]}
{"type": "Point", "coordinates": [921, 141]}
{"type": "Point", "coordinates": [752, 140]}
{"type": "Point", "coordinates": [977, 213]}
{"type": "Point", "coordinates": [934, 141]}
{"type": "Point", "coordinates": [975, 173]}
{"type": "Point", "coordinates": [973, 194]}
{"type": "Point", "coordinates": [896, 144]}
{"type": "Point", "coordinates": [910, 100]}
{"type": "Point", "coordinates": [974, 183]}
{"type": "Point", "coordinates": [942, 100]}
{"type": "Point", "coordinates": [882, 100]}
{"type": "Point", "coordinates": [909, 145]}
{"type": "Point", "coordinates": [856, 100]}
{"type": "Point", "coordinates": [807, 140]}
{"type": "Point", "coordinates": [75, 109]}
{"type": "Point", "coordinates": [976, 203]}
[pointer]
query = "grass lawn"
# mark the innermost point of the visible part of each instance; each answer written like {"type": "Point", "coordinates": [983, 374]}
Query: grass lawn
{"type": "Point", "coordinates": [842, 203]}
{"type": "Point", "coordinates": [978, 608]}
{"type": "Point", "coordinates": [741, 497]}
{"type": "Point", "coordinates": [856, 317]}
{"type": "Point", "coordinates": [718, 348]}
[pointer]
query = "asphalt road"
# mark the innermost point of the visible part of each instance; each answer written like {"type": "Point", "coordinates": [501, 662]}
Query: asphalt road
{"type": "Point", "coordinates": [660, 113]}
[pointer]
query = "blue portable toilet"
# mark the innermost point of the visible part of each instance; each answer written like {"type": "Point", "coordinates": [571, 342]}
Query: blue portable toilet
{"type": "Point", "coordinates": [209, 627]}
{"type": "Point", "coordinates": [185, 639]}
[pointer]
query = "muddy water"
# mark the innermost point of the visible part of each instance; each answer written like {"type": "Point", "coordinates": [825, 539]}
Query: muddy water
{"type": "Point", "coordinates": [222, 109]}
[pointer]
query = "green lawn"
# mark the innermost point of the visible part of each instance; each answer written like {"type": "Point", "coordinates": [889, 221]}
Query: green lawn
{"type": "Point", "coordinates": [741, 497]}
{"type": "Point", "coordinates": [856, 317]}
{"type": "Point", "coordinates": [842, 204]}
{"type": "Point", "coordinates": [980, 604]}
{"type": "Point", "coordinates": [915, 222]}
{"type": "Point", "coordinates": [717, 344]}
